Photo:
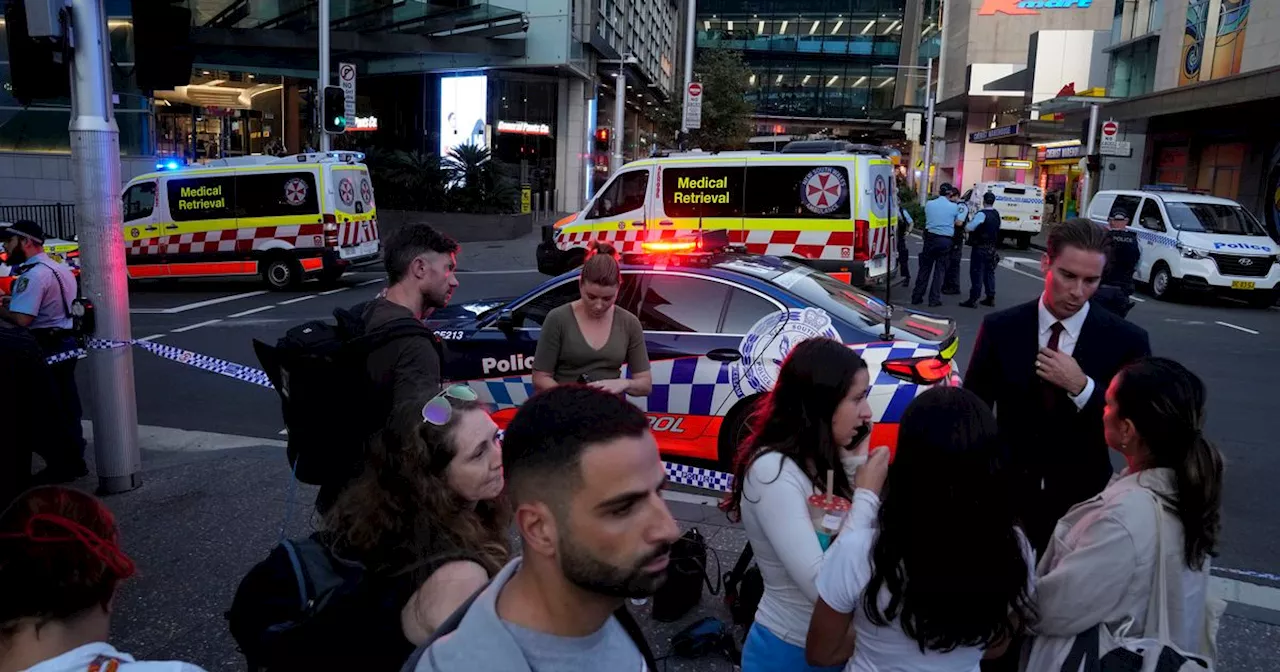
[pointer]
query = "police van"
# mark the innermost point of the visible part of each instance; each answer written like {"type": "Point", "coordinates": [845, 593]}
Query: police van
{"type": "Point", "coordinates": [280, 218]}
{"type": "Point", "coordinates": [830, 211]}
{"type": "Point", "coordinates": [1193, 241]}
{"type": "Point", "coordinates": [1021, 208]}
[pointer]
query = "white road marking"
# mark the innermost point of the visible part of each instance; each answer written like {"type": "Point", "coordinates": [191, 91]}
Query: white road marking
{"type": "Point", "coordinates": [197, 325]}
{"type": "Point", "coordinates": [300, 299]}
{"type": "Point", "coordinates": [284, 432]}
{"type": "Point", "coordinates": [148, 311]}
{"type": "Point", "coordinates": [211, 302]}
{"type": "Point", "coordinates": [690, 498]}
{"type": "Point", "coordinates": [251, 311]}
{"type": "Point", "coordinates": [1238, 328]}
{"type": "Point", "coordinates": [370, 282]}
{"type": "Point", "coordinates": [515, 272]}
{"type": "Point", "coordinates": [170, 439]}
{"type": "Point", "coordinates": [334, 291]}
{"type": "Point", "coordinates": [152, 337]}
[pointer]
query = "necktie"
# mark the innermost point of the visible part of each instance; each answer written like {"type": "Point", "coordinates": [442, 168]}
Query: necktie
{"type": "Point", "coordinates": [1048, 390]}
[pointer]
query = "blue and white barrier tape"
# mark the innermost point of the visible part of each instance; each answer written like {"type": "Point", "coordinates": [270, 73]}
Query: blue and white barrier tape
{"type": "Point", "coordinates": [222, 367]}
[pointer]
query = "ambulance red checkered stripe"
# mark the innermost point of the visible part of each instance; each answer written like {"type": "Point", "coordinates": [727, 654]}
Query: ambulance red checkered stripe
{"type": "Point", "coordinates": [228, 240]}
{"type": "Point", "coordinates": [354, 233]}
{"type": "Point", "coordinates": [807, 244]}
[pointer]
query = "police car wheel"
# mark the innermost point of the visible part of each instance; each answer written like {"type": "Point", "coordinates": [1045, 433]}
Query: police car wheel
{"type": "Point", "coordinates": [735, 430]}
{"type": "Point", "coordinates": [1163, 286]}
{"type": "Point", "coordinates": [281, 273]}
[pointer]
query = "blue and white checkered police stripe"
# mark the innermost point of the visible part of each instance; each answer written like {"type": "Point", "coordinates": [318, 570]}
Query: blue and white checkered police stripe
{"type": "Point", "coordinates": [698, 477]}
{"type": "Point", "coordinates": [203, 362]}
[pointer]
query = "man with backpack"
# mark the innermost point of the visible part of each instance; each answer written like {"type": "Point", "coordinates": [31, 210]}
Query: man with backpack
{"type": "Point", "coordinates": [340, 382]}
{"type": "Point", "coordinates": [585, 479]}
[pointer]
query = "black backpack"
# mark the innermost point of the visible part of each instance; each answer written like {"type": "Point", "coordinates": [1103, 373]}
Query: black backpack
{"type": "Point", "coordinates": [280, 609]}
{"type": "Point", "coordinates": [330, 404]}
{"type": "Point", "coordinates": [743, 588]}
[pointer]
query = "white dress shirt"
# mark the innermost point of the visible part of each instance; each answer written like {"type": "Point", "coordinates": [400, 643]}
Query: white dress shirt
{"type": "Point", "coordinates": [1067, 343]}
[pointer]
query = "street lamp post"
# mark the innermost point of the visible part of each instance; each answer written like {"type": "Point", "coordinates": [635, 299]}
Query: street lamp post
{"type": "Point", "coordinates": [323, 78]}
{"type": "Point", "coordinates": [929, 100]}
{"type": "Point", "coordinates": [619, 110]}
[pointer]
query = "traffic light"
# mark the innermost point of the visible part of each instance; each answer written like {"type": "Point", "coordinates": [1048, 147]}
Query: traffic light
{"type": "Point", "coordinates": [38, 66]}
{"type": "Point", "coordinates": [162, 53]}
{"type": "Point", "coordinates": [334, 110]}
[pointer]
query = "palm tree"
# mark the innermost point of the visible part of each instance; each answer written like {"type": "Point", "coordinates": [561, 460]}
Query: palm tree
{"type": "Point", "coordinates": [477, 181]}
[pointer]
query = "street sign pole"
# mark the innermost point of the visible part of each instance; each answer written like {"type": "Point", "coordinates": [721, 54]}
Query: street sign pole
{"type": "Point", "coordinates": [690, 28]}
{"type": "Point", "coordinates": [1086, 181]}
{"type": "Point", "coordinates": [95, 171]}
{"type": "Point", "coordinates": [928, 146]}
{"type": "Point", "coordinates": [619, 123]}
{"type": "Point", "coordinates": [323, 78]}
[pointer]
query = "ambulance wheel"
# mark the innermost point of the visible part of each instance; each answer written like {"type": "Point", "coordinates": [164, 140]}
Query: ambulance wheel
{"type": "Point", "coordinates": [330, 276]}
{"type": "Point", "coordinates": [573, 260]}
{"type": "Point", "coordinates": [280, 272]}
{"type": "Point", "coordinates": [735, 430]}
{"type": "Point", "coordinates": [1022, 241]}
{"type": "Point", "coordinates": [1163, 286]}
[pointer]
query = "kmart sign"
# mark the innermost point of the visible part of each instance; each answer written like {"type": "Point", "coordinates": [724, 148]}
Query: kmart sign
{"type": "Point", "coordinates": [1028, 7]}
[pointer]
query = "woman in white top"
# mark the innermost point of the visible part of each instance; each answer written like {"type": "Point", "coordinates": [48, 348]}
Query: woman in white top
{"type": "Point", "coordinates": [805, 428]}
{"type": "Point", "coordinates": [1101, 562]}
{"type": "Point", "coordinates": [944, 579]}
{"type": "Point", "coordinates": [60, 565]}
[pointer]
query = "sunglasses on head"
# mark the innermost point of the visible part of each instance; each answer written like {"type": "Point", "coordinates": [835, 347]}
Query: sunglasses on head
{"type": "Point", "coordinates": [438, 411]}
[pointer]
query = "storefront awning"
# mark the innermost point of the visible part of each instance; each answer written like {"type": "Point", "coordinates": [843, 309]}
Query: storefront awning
{"type": "Point", "coordinates": [1025, 132]}
{"type": "Point", "coordinates": [1248, 87]}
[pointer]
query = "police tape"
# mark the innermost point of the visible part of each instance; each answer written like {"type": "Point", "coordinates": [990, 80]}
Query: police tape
{"type": "Point", "coordinates": [222, 367]}
{"type": "Point", "coordinates": [683, 474]}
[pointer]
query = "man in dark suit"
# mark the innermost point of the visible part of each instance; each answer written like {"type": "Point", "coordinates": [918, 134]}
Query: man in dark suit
{"type": "Point", "coordinates": [1044, 367]}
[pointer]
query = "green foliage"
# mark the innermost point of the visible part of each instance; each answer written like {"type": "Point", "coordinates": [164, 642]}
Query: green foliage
{"type": "Point", "coordinates": [469, 180]}
{"type": "Point", "coordinates": [910, 200]}
{"type": "Point", "coordinates": [726, 113]}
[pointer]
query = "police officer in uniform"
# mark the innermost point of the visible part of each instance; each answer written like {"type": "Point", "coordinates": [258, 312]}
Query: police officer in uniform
{"type": "Point", "coordinates": [984, 231]}
{"type": "Point", "coordinates": [1123, 255]}
{"type": "Point", "coordinates": [951, 280]}
{"type": "Point", "coordinates": [904, 253]}
{"type": "Point", "coordinates": [43, 291]}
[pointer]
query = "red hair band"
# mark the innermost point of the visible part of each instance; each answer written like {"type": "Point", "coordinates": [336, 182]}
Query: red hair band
{"type": "Point", "coordinates": [106, 551]}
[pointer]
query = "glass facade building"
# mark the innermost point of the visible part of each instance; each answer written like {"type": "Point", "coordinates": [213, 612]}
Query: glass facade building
{"type": "Point", "coordinates": [811, 58]}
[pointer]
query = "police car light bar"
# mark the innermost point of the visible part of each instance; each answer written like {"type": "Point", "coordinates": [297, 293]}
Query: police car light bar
{"type": "Point", "coordinates": [670, 246]}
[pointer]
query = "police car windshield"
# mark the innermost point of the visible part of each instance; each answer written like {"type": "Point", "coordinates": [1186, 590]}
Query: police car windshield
{"type": "Point", "coordinates": [1231, 220]}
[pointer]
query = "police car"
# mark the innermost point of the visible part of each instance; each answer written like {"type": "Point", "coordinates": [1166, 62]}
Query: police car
{"type": "Point", "coordinates": [1192, 241]}
{"type": "Point", "coordinates": [717, 326]}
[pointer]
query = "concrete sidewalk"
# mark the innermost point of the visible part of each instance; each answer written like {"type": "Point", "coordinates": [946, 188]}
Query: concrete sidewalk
{"type": "Point", "coordinates": [206, 512]}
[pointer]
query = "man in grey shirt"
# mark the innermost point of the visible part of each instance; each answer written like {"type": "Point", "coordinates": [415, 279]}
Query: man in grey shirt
{"type": "Point", "coordinates": [584, 478]}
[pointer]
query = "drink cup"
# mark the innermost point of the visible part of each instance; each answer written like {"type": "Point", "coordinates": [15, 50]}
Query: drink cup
{"type": "Point", "coordinates": [827, 512]}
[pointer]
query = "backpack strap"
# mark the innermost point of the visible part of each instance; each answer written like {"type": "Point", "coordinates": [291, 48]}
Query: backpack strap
{"type": "Point", "coordinates": [734, 577]}
{"type": "Point", "coordinates": [628, 623]}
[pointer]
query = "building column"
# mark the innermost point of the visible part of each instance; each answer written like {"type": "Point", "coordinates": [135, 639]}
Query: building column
{"type": "Point", "coordinates": [574, 132]}
{"type": "Point", "coordinates": [292, 117]}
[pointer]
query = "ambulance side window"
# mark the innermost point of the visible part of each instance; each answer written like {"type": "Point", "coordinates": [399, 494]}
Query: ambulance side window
{"type": "Point", "coordinates": [807, 191]}
{"type": "Point", "coordinates": [139, 201]}
{"type": "Point", "coordinates": [276, 194]}
{"type": "Point", "coordinates": [623, 195]}
{"type": "Point", "coordinates": [1151, 217]}
{"type": "Point", "coordinates": [196, 198]}
{"type": "Point", "coordinates": [713, 191]}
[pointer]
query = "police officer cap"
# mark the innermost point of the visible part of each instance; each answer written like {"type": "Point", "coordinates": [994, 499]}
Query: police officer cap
{"type": "Point", "coordinates": [945, 189]}
{"type": "Point", "coordinates": [25, 228]}
{"type": "Point", "coordinates": [1119, 214]}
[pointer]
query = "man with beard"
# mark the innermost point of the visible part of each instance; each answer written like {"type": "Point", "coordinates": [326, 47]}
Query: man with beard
{"type": "Point", "coordinates": [585, 482]}
{"type": "Point", "coordinates": [420, 263]}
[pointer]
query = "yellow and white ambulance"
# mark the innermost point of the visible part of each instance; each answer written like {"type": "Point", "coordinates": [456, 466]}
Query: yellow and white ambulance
{"type": "Point", "coordinates": [830, 211]}
{"type": "Point", "coordinates": [281, 218]}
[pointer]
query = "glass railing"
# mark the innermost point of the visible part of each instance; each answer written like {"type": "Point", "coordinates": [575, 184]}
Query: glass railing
{"type": "Point", "coordinates": [852, 46]}
{"type": "Point", "coordinates": [412, 16]}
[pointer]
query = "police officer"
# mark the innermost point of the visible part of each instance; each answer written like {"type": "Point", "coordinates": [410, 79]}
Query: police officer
{"type": "Point", "coordinates": [43, 291]}
{"type": "Point", "coordinates": [942, 215]}
{"type": "Point", "coordinates": [984, 231]}
{"type": "Point", "coordinates": [1123, 255]}
{"type": "Point", "coordinates": [904, 254]}
{"type": "Point", "coordinates": [951, 280]}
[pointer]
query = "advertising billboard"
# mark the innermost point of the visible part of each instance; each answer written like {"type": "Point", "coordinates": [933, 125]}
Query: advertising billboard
{"type": "Point", "coordinates": [463, 107]}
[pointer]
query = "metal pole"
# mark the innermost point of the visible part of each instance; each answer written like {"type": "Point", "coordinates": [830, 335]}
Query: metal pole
{"type": "Point", "coordinates": [690, 28]}
{"type": "Point", "coordinates": [619, 109]}
{"type": "Point", "coordinates": [1086, 184]}
{"type": "Point", "coordinates": [323, 79]}
{"type": "Point", "coordinates": [95, 161]}
{"type": "Point", "coordinates": [928, 132]}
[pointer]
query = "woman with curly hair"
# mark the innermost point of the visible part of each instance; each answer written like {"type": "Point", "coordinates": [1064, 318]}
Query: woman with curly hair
{"type": "Point", "coordinates": [427, 520]}
{"type": "Point", "coordinates": [60, 566]}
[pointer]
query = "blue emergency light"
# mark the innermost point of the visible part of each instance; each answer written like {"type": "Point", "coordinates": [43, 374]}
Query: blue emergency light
{"type": "Point", "coordinates": [168, 164]}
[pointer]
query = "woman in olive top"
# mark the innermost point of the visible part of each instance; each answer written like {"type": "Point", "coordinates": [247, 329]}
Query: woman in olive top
{"type": "Point", "coordinates": [588, 340]}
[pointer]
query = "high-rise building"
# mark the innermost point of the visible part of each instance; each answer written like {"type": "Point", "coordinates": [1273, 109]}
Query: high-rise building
{"type": "Point", "coordinates": [816, 66]}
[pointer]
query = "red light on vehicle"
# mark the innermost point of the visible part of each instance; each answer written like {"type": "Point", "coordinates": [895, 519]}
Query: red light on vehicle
{"type": "Point", "coordinates": [919, 370]}
{"type": "Point", "coordinates": [669, 246]}
{"type": "Point", "coordinates": [861, 233]}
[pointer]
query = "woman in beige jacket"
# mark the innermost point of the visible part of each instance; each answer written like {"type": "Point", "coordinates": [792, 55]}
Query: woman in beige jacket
{"type": "Point", "coordinates": [1100, 565]}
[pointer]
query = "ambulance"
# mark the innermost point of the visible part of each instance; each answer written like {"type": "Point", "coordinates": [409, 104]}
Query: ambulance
{"type": "Point", "coordinates": [830, 211]}
{"type": "Point", "coordinates": [60, 250]}
{"type": "Point", "coordinates": [1021, 208]}
{"type": "Point", "coordinates": [279, 218]}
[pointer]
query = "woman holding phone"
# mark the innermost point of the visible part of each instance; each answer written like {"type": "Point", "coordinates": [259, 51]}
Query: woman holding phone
{"type": "Point", "coordinates": [793, 482]}
{"type": "Point", "coordinates": [588, 340]}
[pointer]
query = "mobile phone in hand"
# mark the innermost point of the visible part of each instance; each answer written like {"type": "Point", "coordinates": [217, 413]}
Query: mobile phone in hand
{"type": "Point", "coordinates": [860, 435]}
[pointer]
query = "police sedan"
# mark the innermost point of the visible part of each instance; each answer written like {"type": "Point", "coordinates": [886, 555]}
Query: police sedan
{"type": "Point", "coordinates": [717, 326]}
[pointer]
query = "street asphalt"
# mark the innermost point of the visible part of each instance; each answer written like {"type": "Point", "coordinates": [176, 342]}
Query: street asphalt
{"type": "Point", "coordinates": [201, 518]}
